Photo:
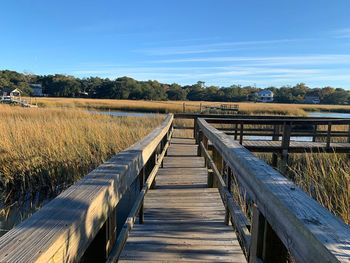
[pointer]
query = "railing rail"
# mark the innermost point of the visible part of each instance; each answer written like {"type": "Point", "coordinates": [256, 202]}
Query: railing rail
{"type": "Point", "coordinates": [282, 213]}
{"type": "Point", "coordinates": [80, 223]}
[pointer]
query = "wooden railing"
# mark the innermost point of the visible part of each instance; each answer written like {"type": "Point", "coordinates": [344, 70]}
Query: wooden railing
{"type": "Point", "coordinates": [81, 223]}
{"type": "Point", "coordinates": [284, 220]}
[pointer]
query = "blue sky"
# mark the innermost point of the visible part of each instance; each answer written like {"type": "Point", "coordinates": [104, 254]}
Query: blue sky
{"type": "Point", "coordinates": [222, 42]}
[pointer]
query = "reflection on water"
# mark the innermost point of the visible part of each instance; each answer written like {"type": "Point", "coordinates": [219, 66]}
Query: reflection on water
{"type": "Point", "coordinates": [328, 114]}
{"type": "Point", "coordinates": [22, 209]}
{"type": "Point", "coordinates": [124, 114]}
{"type": "Point", "coordinates": [269, 138]}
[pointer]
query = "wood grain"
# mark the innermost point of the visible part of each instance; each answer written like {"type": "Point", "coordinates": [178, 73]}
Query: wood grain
{"type": "Point", "coordinates": [184, 220]}
{"type": "Point", "coordinates": [308, 230]}
{"type": "Point", "coordinates": [63, 229]}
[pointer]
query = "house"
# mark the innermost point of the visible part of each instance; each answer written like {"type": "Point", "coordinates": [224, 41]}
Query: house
{"type": "Point", "coordinates": [10, 94]}
{"type": "Point", "coordinates": [312, 98]}
{"type": "Point", "coordinates": [265, 96]}
{"type": "Point", "coordinates": [38, 90]}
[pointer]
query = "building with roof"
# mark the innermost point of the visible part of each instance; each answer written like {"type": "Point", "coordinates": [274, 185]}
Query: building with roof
{"type": "Point", "coordinates": [38, 90]}
{"type": "Point", "coordinates": [265, 96]}
{"type": "Point", "coordinates": [10, 94]}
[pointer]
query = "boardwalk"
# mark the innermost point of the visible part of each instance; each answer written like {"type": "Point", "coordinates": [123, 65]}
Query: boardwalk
{"type": "Point", "coordinates": [184, 220]}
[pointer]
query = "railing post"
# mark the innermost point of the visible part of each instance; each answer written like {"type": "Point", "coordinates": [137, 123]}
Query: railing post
{"type": "Point", "coordinates": [195, 129]}
{"type": "Point", "coordinates": [265, 244]}
{"type": "Point", "coordinates": [315, 133]}
{"type": "Point", "coordinates": [104, 241]}
{"type": "Point", "coordinates": [275, 137]}
{"type": "Point", "coordinates": [205, 144]}
{"type": "Point", "coordinates": [348, 155]}
{"type": "Point", "coordinates": [228, 184]}
{"type": "Point", "coordinates": [153, 162]}
{"type": "Point", "coordinates": [241, 134]}
{"type": "Point", "coordinates": [218, 161]}
{"type": "Point", "coordinates": [328, 143]}
{"type": "Point", "coordinates": [287, 129]}
{"type": "Point", "coordinates": [257, 236]}
{"type": "Point", "coordinates": [142, 182]}
{"type": "Point", "coordinates": [200, 138]}
{"type": "Point", "coordinates": [236, 131]}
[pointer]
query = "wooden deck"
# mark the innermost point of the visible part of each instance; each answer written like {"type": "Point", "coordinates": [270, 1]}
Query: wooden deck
{"type": "Point", "coordinates": [184, 220]}
{"type": "Point", "coordinates": [295, 147]}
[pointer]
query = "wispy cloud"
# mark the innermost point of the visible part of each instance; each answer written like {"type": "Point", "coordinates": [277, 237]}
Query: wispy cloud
{"type": "Point", "coordinates": [342, 33]}
{"type": "Point", "coordinates": [211, 48]}
{"type": "Point", "coordinates": [275, 60]}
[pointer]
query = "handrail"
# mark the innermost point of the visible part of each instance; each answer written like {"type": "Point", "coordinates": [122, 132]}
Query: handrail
{"type": "Point", "coordinates": [279, 121]}
{"type": "Point", "coordinates": [123, 235]}
{"type": "Point", "coordinates": [308, 230]}
{"type": "Point", "coordinates": [241, 116]}
{"type": "Point", "coordinates": [238, 218]}
{"type": "Point", "coordinates": [63, 230]}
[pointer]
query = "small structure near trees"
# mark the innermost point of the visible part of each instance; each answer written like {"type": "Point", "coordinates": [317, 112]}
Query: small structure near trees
{"type": "Point", "coordinates": [38, 90]}
{"type": "Point", "coordinates": [10, 94]}
{"type": "Point", "coordinates": [312, 98]}
{"type": "Point", "coordinates": [265, 96]}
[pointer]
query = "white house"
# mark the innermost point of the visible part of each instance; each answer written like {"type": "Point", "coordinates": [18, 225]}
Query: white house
{"type": "Point", "coordinates": [265, 96]}
{"type": "Point", "coordinates": [38, 90]}
{"type": "Point", "coordinates": [312, 98]}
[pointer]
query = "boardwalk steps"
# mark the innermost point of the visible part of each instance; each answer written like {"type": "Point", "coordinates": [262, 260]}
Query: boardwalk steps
{"type": "Point", "coordinates": [184, 220]}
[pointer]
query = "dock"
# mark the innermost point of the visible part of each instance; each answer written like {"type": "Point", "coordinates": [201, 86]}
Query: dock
{"type": "Point", "coordinates": [201, 198]}
{"type": "Point", "coordinates": [183, 219]}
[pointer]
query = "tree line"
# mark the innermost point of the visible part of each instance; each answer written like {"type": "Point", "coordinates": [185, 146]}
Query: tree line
{"type": "Point", "coordinates": [127, 88]}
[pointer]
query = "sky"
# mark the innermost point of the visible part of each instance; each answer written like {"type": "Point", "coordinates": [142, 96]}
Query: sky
{"type": "Point", "coordinates": [221, 42]}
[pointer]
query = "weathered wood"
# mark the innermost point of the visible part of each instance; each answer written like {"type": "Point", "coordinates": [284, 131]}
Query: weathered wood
{"type": "Point", "coordinates": [328, 143]}
{"type": "Point", "coordinates": [272, 121]}
{"type": "Point", "coordinates": [273, 251]}
{"type": "Point", "coordinates": [257, 236]}
{"type": "Point", "coordinates": [252, 117]}
{"type": "Point", "coordinates": [238, 219]}
{"type": "Point", "coordinates": [115, 253]}
{"type": "Point", "coordinates": [275, 137]}
{"type": "Point", "coordinates": [314, 137]}
{"type": "Point", "coordinates": [309, 231]}
{"type": "Point", "coordinates": [217, 159]}
{"type": "Point", "coordinates": [287, 129]}
{"type": "Point", "coordinates": [142, 183]}
{"type": "Point", "coordinates": [185, 222]}
{"type": "Point", "coordinates": [228, 185]}
{"type": "Point", "coordinates": [64, 228]}
{"type": "Point", "coordinates": [241, 134]}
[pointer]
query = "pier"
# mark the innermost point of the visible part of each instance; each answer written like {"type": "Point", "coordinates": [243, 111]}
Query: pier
{"type": "Point", "coordinates": [170, 198]}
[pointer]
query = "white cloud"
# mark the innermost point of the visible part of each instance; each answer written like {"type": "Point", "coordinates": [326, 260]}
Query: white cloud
{"type": "Point", "coordinates": [342, 33]}
{"type": "Point", "coordinates": [278, 60]}
{"type": "Point", "coordinates": [211, 48]}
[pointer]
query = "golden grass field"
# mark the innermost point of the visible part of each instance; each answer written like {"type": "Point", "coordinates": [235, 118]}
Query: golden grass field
{"type": "Point", "coordinates": [323, 176]}
{"type": "Point", "coordinates": [190, 106]}
{"type": "Point", "coordinates": [45, 148]}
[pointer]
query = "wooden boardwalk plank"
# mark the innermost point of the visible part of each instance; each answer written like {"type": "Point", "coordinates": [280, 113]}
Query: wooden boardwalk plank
{"type": "Point", "coordinates": [184, 220]}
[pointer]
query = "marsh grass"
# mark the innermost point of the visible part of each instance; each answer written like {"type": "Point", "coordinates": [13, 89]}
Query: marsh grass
{"type": "Point", "coordinates": [250, 108]}
{"type": "Point", "coordinates": [326, 178]}
{"type": "Point", "coordinates": [52, 148]}
{"type": "Point", "coordinates": [323, 176]}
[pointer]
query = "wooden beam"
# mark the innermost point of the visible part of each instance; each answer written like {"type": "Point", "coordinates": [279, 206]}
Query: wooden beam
{"type": "Point", "coordinates": [63, 229]}
{"type": "Point", "coordinates": [308, 230]}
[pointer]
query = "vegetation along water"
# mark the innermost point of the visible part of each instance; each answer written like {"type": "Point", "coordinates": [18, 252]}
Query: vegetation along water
{"type": "Point", "coordinates": [46, 150]}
